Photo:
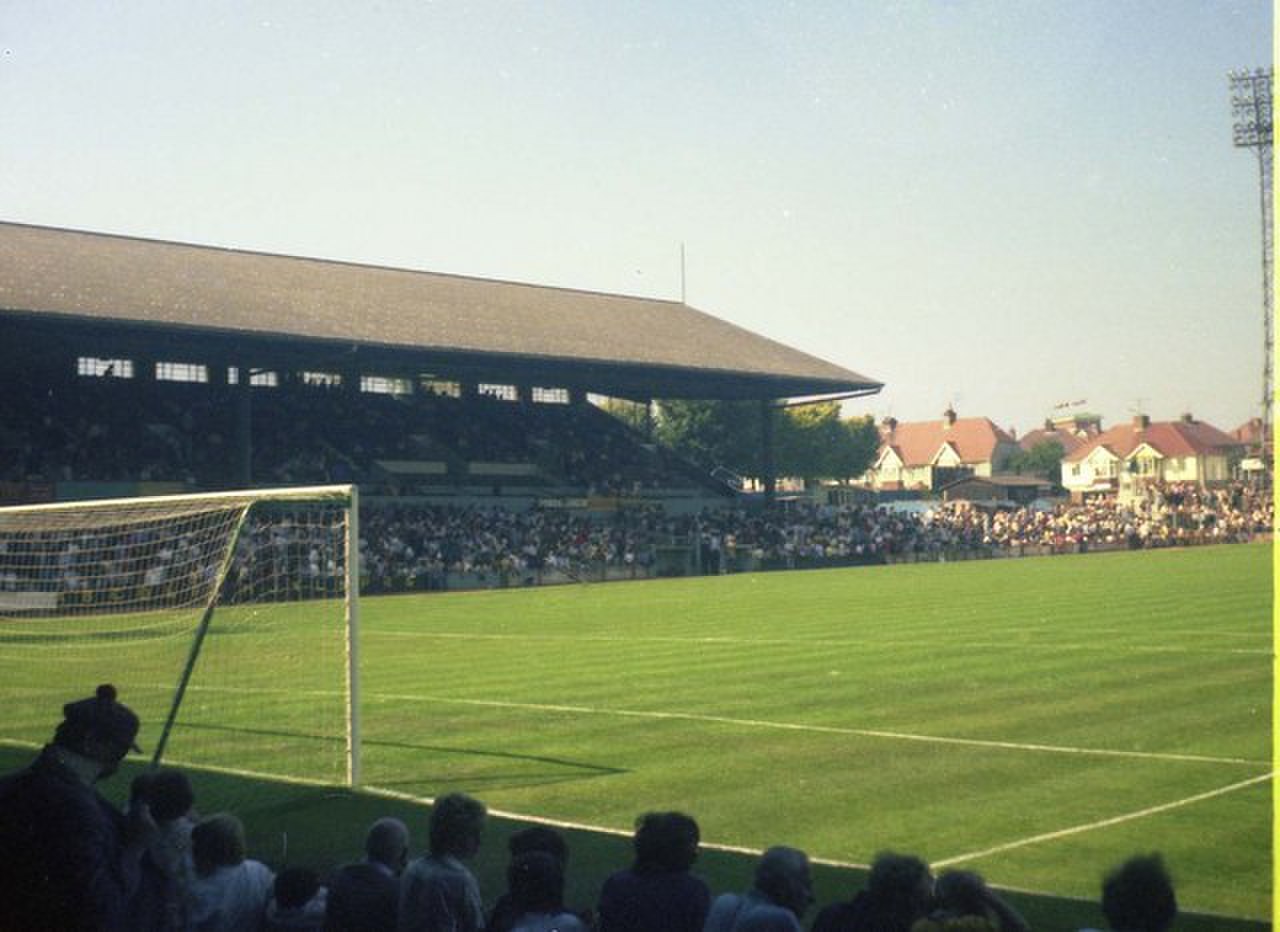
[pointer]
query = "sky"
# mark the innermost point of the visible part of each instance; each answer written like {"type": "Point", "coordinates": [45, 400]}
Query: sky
{"type": "Point", "coordinates": [999, 206]}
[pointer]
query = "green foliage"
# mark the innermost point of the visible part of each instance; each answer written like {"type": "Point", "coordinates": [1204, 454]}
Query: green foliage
{"type": "Point", "coordinates": [713, 433]}
{"type": "Point", "coordinates": [810, 441]}
{"type": "Point", "coordinates": [1044, 459]}
{"type": "Point", "coordinates": [632, 413]}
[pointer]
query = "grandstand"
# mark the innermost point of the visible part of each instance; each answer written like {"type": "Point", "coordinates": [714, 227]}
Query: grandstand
{"type": "Point", "coordinates": [134, 365]}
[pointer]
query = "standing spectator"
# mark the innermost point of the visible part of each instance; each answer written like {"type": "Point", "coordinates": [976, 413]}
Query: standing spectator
{"type": "Point", "coordinates": [363, 896]}
{"type": "Point", "coordinates": [1138, 896]}
{"type": "Point", "coordinates": [230, 892]}
{"type": "Point", "coordinates": [297, 903]}
{"type": "Point", "coordinates": [783, 890]}
{"type": "Point", "coordinates": [169, 795]}
{"type": "Point", "coordinates": [540, 838]}
{"type": "Point", "coordinates": [536, 882]}
{"type": "Point", "coordinates": [962, 899]}
{"type": "Point", "coordinates": [899, 892]}
{"type": "Point", "coordinates": [657, 892]}
{"type": "Point", "coordinates": [437, 892]}
{"type": "Point", "coordinates": [68, 858]}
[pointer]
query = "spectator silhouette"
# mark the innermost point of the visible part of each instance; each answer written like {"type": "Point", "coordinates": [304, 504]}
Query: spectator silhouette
{"type": "Point", "coordinates": [539, 838]}
{"type": "Point", "coordinates": [1138, 896]}
{"type": "Point", "coordinates": [962, 900]}
{"type": "Point", "coordinates": [535, 880]}
{"type": "Point", "coordinates": [229, 892]}
{"type": "Point", "coordinates": [169, 795]}
{"type": "Point", "coordinates": [899, 892]}
{"type": "Point", "coordinates": [437, 892]}
{"type": "Point", "coordinates": [780, 895]}
{"type": "Point", "coordinates": [363, 896]}
{"type": "Point", "coordinates": [297, 902]}
{"type": "Point", "coordinates": [657, 891]}
{"type": "Point", "coordinates": [68, 858]}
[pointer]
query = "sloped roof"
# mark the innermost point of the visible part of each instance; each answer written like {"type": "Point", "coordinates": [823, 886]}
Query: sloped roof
{"type": "Point", "coordinates": [81, 276]}
{"type": "Point", "coordinates": [1169, 438]}
{"type": "Point", "coordinates": [1068, 439]}
{"type": "Point", "coordinates": [974, 439]}
{"type": "Point", "coordinates": [1250, 432]}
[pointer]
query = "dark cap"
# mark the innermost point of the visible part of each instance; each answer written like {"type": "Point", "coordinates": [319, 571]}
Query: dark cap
{"type": "Point", "coordinates": [101, 715]}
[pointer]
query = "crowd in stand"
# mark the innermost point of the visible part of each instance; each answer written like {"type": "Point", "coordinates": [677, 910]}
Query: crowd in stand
{"type": "Point", "coordinates": [421, 547]}
{"type": "Point", "coordinates": [404, 547]}
{"type": "Point", "coordinates": [70, 860]}
{"type": "Point", "coordinates": [122, 430]}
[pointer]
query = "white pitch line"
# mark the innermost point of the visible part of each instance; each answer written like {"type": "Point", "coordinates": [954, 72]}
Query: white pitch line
{"type": "Point", "coordinates": [829, 729]}
{"type": "Point", "coordinates": [1103, 823]}
{"type": "Point", "coordinates": [758, 723]}
{"type": "Point", "coordinates": [803, 642]}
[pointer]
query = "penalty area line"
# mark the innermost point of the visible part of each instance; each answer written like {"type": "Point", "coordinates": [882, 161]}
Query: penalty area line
{"type": "Point", "coordinates": [761, 723]}
{"type": "Point", "coordinates": [1103, 823]}
{"type": "Point", "coordinates": [827, 729]}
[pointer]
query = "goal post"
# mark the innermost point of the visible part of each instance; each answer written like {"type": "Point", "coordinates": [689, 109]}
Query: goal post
{"type": "Point", "coordinates": [228, 621]}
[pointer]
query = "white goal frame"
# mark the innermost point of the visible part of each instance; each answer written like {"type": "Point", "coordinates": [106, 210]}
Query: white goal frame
{"type": "Point", "coordinates": [348, 496]}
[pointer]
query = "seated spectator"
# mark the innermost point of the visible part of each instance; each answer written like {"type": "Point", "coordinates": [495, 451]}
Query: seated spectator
{"type": "Point", "coordinates": [1138, 896]}
{"type": "Point", "coordinates": [229, 892]}
{"type": "Point", "coordinates": [962, 900]}
{"type": "Point", "coordinates": [535, 838]}
{"type": "Point", "coordinates": [298, 902]}
{"type": "Point", "coordinates": [363, 896]}
{"type": "Point", "coordinates": [782, 892]}
{"type": "Point", "coordinates": [535, 881]}
{"type": "Point", "coordinates": [899, 892]}
{"type": "Point", "coordinates": [169, 795]}
{"type": "Point", "coordinates": [437, 890]}
{"type": "Point", "coordinates": [657, 892]}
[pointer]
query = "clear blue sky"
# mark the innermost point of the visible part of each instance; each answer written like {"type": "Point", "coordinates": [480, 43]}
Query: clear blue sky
{"type": "Point", "coordinates": [1001, 205]}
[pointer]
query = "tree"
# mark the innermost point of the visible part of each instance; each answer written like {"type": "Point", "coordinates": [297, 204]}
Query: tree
{"type": "Point", "coordinates": [631, 413]}
{"type": "Point", "coordinates": [814, 443]}
{"type": "Point", "coordinates": [713, 433]}
{"type": "Point", "coordinates": [1044, 460]}
{"type": "Point", "coordinates": [810, 441]}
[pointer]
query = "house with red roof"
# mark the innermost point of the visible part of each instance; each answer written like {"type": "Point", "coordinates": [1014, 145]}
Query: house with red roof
{"type": "Point", "coordinates": [925, 455]}
{"type": "Point", "coordinates": [1257, 447]}
{"type": "Point", "coordinates": [1069, 432]}
{"type": "Point", "coordinates": [1125, 457]}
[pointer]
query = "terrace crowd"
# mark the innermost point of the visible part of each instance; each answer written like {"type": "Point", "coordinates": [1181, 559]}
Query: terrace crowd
{"type": "Point", "coordinates": [423, 547]}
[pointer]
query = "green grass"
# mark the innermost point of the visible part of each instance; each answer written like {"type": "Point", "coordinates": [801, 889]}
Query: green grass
{"type": "Point", "coordinates": [1037, 720]}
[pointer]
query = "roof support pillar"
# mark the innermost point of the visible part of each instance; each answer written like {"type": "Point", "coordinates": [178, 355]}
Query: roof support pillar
{"type": "Point", "coordinates": [244, 426]}
{"type": "Point", "coordinates": [767, 452]}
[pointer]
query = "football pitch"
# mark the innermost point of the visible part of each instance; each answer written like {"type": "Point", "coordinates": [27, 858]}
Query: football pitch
{"type": "Point", "coordinates": [1036, 720]}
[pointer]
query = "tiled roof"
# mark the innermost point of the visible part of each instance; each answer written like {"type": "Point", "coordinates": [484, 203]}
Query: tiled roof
{"type": "Point", "coordinates": [974, 439]}
{"type": "Point", "coordinates": [1066, 438]}
{"type": "Point", "coordinates": [80, 276]}
{"type": "Point", "coordinates": [1169, 438]}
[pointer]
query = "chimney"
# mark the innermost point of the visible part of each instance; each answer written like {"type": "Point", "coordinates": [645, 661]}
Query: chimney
{"type": "Point", "coordinates": [1141, 422]}
{"type": "Point", "coordinates": [950, 415]}
{"type": "Point", "coordinates": [890, 423]}
{"type": "Point", "coordinates": [1187, 418]}
{"type": "Point", "coordinates": [1049, 425]}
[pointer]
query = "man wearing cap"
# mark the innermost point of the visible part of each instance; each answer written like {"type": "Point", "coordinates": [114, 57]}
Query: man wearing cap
{"type": "Point", "coordinates": [68, 858]}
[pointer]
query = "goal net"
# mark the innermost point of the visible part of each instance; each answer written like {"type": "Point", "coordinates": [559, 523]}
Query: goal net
{"type": "Point", "coordinates": [226, 621]}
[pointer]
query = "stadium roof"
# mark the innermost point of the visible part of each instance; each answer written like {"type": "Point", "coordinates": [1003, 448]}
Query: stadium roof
{"type": "Point", "coordinates": [250, 305]}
